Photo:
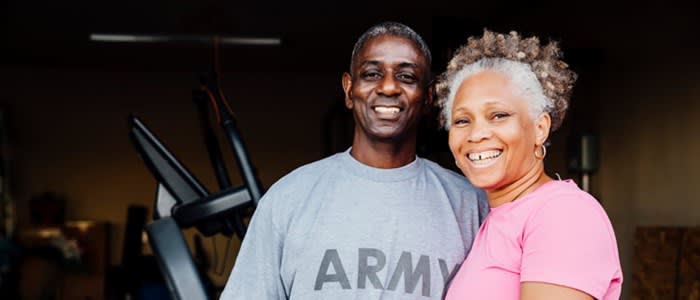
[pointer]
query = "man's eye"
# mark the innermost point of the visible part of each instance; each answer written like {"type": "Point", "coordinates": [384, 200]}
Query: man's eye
{"type": "Point", "coordinates": [371, 75]}
{"type": "Point", "coordinates": [408, 78]}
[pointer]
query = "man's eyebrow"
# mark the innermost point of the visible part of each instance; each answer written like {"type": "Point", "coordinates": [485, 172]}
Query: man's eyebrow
{"type": "Point", "coordinates": [401, 65]}
{"type": "Point", "coordinates": [369, 62]}
{"type": "Point", "coordinates": [408, 65]}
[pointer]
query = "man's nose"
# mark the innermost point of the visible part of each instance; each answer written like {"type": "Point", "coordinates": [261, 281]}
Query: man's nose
{"type": "Point", "coordinates": [388, 87]}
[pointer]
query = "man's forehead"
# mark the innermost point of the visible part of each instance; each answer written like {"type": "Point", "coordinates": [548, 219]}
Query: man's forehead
{"type": "Point", "coordinates": [391, 49]}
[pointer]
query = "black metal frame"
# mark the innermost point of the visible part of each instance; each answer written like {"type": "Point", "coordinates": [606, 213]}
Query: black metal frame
{"type": "Point", "coordinates": [183, 202]}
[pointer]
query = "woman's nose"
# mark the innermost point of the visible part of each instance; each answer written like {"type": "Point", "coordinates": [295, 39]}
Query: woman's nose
{"type": "Point", "coordinates": [479, 132]}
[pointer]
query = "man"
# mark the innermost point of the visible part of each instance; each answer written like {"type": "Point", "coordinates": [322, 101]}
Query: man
{"type": "Point", "coordinates": [374, 221]}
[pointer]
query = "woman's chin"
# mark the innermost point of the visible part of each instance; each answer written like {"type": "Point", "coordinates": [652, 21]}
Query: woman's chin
{"type": "Point", "coordinates": [484, 183]}
{"type": "Point", "coordinates": [482, 178]}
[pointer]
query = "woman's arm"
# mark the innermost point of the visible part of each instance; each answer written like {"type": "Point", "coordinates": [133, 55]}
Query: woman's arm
{"type": "Point", "coordinates": [569, 246]}
{"type": "Point", "coordinates": [547, 291]}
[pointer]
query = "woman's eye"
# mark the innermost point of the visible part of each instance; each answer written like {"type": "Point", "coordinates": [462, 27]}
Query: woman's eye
{"type": "Point", "coordinates": [500, 115]}
{"type": "Point", "coordinates": [461, 121]}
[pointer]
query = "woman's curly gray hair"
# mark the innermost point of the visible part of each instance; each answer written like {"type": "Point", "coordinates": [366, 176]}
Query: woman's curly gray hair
{"type": "Point", "coordinates": [536, 71]}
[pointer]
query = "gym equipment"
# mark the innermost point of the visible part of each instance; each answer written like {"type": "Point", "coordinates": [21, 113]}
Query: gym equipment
{"type": "Point", "coordinates": [183, 202]}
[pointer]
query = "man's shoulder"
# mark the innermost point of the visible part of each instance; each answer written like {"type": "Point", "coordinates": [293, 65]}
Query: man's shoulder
{"type": "Point", "coordinates": [305, 174]}
{"type": "Point", "coordinates": [456, 184]}
{"type": "Point", "coordinates": [446, 175]}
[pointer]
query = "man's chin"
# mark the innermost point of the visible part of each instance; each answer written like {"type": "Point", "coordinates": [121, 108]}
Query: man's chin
{"type": "Point", "coordinates": [389, 134]}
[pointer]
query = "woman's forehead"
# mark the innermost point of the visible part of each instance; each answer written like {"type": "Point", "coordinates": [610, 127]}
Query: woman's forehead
{"type": "Point", "coordinates": [487, 89]}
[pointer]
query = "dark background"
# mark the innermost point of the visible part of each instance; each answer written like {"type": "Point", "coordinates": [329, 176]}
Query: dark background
{"type": "Point", "coordinates": [66, 99]}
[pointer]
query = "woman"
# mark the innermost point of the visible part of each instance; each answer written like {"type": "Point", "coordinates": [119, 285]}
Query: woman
{"type": "Point", "coordinates": [501, 96]}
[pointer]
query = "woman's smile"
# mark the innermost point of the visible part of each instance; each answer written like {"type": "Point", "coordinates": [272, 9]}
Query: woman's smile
{"type": "Point", "coordinates": [484, 157]}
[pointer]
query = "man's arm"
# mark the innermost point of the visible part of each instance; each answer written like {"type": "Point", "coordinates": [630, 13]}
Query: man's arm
{"type": "Point", "coordinates": [483, 203]}
{"type": "Point", "coordinates": [256, 273]}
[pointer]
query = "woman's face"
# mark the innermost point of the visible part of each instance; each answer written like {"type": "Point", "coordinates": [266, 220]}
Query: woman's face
{"type": "Point", "coordinates": [493, 136]}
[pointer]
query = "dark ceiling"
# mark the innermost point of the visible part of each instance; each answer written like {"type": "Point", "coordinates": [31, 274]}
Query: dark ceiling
{"type": "Point", "coordinates": [315, 37]}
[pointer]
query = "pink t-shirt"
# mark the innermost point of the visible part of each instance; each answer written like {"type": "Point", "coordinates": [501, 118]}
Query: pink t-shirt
{"type": "Point", "coordinates": [557, 234]}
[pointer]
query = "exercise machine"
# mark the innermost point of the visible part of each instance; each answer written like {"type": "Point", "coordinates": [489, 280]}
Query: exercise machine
{"type": "Point", "coordinates": [181, 199]}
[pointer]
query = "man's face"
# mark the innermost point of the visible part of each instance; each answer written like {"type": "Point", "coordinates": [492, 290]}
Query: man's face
{"type": "Point", "coordinates": [387, 88]}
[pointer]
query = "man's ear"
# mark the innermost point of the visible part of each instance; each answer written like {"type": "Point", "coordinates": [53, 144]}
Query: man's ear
{"type": "Point", "coordinates": [542, 126]}
{"type": "Point", "coordinates": [428, 99]}
{"type": "Point", "coordinates": [347, 89]}
{"type": "Point", "coordinates": [430, 96]}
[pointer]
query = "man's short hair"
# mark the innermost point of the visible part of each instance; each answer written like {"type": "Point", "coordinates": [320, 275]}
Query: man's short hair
{"type": "Point", "coordinates": [391, 29]}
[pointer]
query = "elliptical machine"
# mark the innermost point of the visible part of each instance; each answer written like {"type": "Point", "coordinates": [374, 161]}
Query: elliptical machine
{"type": "Point", "coordinates": [183, 202]}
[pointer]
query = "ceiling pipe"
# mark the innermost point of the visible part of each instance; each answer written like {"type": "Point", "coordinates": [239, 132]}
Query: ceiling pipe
{"type": "Point", "coordinates": [198, 39]}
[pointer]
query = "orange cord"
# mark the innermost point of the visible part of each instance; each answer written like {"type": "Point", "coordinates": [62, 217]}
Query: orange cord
{"type": "Point", "coordinates": [212, 101]}
{"type": "Point", "coordinates": [217, 69]}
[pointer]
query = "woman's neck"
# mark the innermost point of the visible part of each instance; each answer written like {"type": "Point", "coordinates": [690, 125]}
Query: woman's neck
{"type": "Point", "coordinates": [533, 179]}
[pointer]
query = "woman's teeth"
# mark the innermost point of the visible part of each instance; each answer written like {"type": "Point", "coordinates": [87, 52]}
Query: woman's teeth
{"type": "Point", "coordinates": [483, 157]}
{"type": "Point", "coordinates": [386, 109]}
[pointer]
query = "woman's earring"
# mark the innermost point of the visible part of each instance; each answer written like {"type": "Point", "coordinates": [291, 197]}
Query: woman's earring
{"type": "Point", "coordinates": [544, 152]}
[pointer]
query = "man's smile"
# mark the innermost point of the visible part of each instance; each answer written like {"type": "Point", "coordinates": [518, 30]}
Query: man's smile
{"type": "Point", "coordinates": [387, 113]}
{"type": "Point", "coordinates": [387, 109]}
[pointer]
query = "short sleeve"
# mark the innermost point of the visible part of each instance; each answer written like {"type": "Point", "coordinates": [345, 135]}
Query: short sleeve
{"type": "Point", "coordinates": [256, 273]}
{"type": "Point", "coordinates": [569, 241]}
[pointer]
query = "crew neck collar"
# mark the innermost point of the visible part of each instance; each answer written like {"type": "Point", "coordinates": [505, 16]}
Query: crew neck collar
{"type": "Point", "coordinates": [378, 174]}
{"type": "Point", "coordinates": [552, 184]}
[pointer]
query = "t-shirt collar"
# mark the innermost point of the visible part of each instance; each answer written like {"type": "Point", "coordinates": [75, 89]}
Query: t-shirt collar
{"type": "Point", "coordinates": [378, 174]}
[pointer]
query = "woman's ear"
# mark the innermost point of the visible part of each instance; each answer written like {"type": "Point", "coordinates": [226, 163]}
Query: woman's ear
{"type": "Point", "coordinates": [542, 126]}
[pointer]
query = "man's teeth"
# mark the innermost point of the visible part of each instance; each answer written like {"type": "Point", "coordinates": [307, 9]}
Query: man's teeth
{"type": "Point", "coordinates": [484, 156]}
{"type": "Point", "coordinates": [386, 109]}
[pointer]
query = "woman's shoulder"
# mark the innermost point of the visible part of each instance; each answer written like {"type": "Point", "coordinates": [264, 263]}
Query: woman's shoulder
{"type": "Point", "coordinates": [558, 203]}
{"type": "Point", "coordinates": [562, 202]}
{"type": "Point", "coordinates": [569, 241]}
{"type": "Point", "coordinates": [562, 194]}
{"type": "Point", "coordinates": [568, 189]}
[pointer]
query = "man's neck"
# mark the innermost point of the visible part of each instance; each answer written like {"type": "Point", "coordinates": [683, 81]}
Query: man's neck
{"type": "Point", "coordinates": [384, 154]}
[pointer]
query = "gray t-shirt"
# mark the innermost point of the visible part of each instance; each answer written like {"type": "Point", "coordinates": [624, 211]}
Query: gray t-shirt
{"type": "Point", "coordinates": [339, 229]}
